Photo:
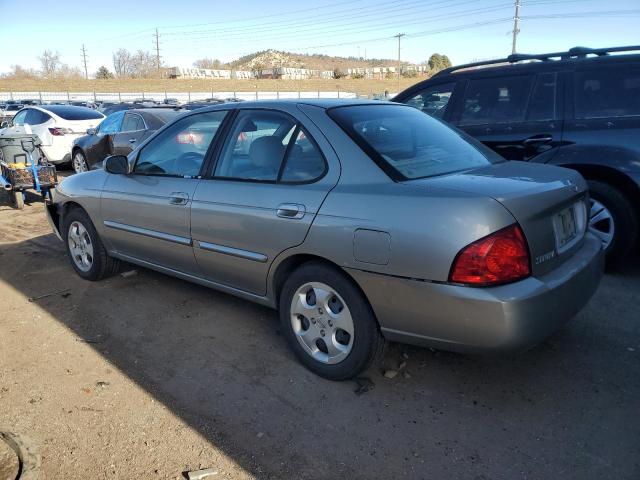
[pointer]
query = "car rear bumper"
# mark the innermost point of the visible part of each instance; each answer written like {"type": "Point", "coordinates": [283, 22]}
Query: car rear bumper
{"type": "Point", "coordinates": [505, 318]}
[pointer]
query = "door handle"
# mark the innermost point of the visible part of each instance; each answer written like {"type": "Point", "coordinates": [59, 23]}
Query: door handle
{"type": "Point", "coordinates": [291, 210]}
{"type": "Point", "coordinates": [538, 139]}
{"type": "Point", "coordinates": [178, 198]}
{"type": "Point", "coordinates": [132, 140]}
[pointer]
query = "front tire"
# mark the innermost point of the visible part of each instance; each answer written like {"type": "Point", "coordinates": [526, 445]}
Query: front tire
{"type": "Point", "coordinates": [613, 220]}
{"type": "Point", "coordinates": [328, 322]}
{"type": "Point", "coordinates": [86, 252]}
{"type": "Point", "coordinates": [79, 162]}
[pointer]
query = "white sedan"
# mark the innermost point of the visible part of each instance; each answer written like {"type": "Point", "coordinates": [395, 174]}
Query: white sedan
{"type": "Point", "coordinates": [57, 126]}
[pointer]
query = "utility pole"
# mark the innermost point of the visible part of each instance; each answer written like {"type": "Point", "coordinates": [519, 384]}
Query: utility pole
{"type": "Point", "coordinates": [84, 60]}
{"type": "Point", "coordinates": [157, 37]}
{"type": "Point", "coordinates": [516, 27]}
{"type": "Point", "coordinates": [399, 36]}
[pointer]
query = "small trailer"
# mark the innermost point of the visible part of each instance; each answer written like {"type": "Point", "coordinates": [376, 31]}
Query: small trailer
{"type": "Point", "coordinates": [23, 167]}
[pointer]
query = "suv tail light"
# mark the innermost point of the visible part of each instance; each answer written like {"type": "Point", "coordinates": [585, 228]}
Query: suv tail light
{"type": "Point", "coordinates": [59, 131]}
{"type": "Point", "coordinates": [190, 138]}
{"type": "Point", "coordinates": [501, 257]}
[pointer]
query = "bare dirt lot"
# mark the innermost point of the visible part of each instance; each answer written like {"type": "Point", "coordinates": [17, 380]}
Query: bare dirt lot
{"type": "Point", "coordinates": [149, 376]}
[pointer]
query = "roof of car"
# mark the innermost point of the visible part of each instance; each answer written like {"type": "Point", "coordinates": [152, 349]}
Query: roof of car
{"type": "Point", "coordinates": [317, 102]}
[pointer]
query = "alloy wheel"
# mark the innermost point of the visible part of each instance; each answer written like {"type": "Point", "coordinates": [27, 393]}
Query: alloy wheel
{"type": "Point", "coordinates": [79, 163]}
{"type": "Point", "coordinates": [322, 322]}
{"type": "Point", "coordinates": [601, 223]}
{"type": "Point", "coordinates": [80, 246]}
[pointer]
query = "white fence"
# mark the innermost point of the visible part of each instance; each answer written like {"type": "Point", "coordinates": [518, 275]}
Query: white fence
{"type": "Point", "coordinates": [160, 96]}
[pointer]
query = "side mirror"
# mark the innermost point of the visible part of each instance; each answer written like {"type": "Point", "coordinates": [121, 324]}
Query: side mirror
{"type": "Point", "coordinates": [91, 131]}
{"type": "Point", "coordinates": [117, 164]}
{"type": "Point", "coordinates": [4, 124]}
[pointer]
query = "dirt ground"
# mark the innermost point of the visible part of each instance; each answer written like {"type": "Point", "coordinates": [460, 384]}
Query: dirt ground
{"type": "Point", "coordinates": [148, 376]}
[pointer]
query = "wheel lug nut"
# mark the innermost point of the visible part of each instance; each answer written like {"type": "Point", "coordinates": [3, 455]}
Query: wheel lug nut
{"type": "Point", "coordinates": [320, 311]}
{"type": "Point", "coordinates": [330, 323]}
{"type": "Point", "coordinates": [322, 332]}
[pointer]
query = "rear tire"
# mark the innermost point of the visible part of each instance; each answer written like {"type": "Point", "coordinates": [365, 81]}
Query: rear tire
{"type": "Point", "coordinates": [86, 252]}
{"type": "Point", "coordinates": [79, 162]}
{"type": "Point", "coordinates": [614, 220]}
{"type": "Point", "coordinates": [316, 301]}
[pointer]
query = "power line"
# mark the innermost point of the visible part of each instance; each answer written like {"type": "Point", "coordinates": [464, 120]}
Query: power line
{"type": "Point", "coordinates": [84, 60]}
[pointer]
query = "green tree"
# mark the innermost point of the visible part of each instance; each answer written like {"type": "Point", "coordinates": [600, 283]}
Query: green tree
{"type": "Point", "coordinates": [103, 73]}
{"type": "Point", "coordinates": [438, 62]}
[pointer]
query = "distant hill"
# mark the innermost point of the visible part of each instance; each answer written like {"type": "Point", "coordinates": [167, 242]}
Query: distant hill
{"type": "Point", "coordinates": [274, 58]}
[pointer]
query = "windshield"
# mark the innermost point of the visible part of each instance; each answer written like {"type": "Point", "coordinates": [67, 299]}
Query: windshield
{"type": "Point", "coordinates": [407, 143]}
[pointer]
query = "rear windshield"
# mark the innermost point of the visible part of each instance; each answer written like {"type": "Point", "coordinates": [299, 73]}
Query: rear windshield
{"type": "Point", "coordinates": [407, 143]}
{"type": "Point", "coordinates": [70, 112]}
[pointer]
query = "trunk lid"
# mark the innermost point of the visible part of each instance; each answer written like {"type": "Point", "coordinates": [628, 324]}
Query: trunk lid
{"type": "Point", "coordinates": [548, 202]}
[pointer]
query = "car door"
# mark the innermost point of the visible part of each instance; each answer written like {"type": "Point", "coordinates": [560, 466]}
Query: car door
{"type": "Point", "coordinates": [131, 133]}
{"type": "Point", "coordinates": [18, 123]}
{"type": "Point", "coordinates": [101, 145]}
{"type": "Point", "coordinates": [38, 123]}
{"type": "Point", "coordinates": [516, 115]}
{"type": "Point", "coordinates": [272, 173]}
{"type": "Point", "coordinates": [146, 214]}
{"type": "Point", "coordinates": [603, 116]}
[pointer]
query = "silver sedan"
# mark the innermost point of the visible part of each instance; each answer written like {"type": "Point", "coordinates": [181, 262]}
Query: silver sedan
{"type": "Point", "coordinates": [358, 221]}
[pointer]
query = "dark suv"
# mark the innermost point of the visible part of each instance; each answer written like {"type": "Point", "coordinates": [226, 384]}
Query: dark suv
{"type": "Point", "coordinates": [579, 109]}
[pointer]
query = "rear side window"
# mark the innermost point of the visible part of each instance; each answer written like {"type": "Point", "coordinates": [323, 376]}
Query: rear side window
{"type": "Point", "coordinates": [432, 100]}
{"type": "Point", "coordinates": [408, 144]}
{"type": "Point", "coordinates": [132, 122]}
{"type": "Point", "coordinates": [36, 117]}
{"type": "Point", "coordinates": [269, 146]}
{"type": "Point", "coordinates": [495, 100]}
{"type": "Point", "coordinates": [607, 92]}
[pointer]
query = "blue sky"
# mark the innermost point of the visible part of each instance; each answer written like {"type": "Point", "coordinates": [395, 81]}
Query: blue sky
{"type": "Point", "coordinates": [465, 30]}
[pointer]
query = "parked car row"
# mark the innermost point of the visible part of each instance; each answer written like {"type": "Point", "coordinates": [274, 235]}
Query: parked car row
{"type": "Point", "coordinates": [578, 109]}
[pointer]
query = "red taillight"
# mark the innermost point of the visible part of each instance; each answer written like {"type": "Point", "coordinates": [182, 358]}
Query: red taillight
{"type": "Point", "coordinates": [500, 257]}
{"type": "Point", "coordinates": [59, 132]}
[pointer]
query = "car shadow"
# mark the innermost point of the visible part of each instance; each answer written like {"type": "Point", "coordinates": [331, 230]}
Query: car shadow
{"type": "Point", "coordinates": [220, 364]}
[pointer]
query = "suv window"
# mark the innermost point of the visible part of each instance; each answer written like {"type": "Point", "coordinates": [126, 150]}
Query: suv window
{"type": "Point", "coordinates": [607, 92]}
{"type": "Point", "coordinates": [495, 100]}
{"type": "Point", "coordinates": [179, 151]}
{"type": "Point", "coordinates": [433, 100]}
{"type": "Point", "coordinates": [132, 122]}
{"type": "Point", "coordinates": [269, 146]}
{"type": "Point", "coordinates": [36, 117]}
{"type": "Point", "coordinates": [542, 105]}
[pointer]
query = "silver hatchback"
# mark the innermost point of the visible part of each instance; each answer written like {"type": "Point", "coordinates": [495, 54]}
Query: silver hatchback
{"type": "Point", "coordinates": [358, 221]}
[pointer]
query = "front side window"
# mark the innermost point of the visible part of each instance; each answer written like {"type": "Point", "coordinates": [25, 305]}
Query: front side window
{"type": "Point", "coordinates": [495, 100]}
{"type": "Point", "coordinates": [408, 144]}
{"type": "Point", "coordinates": [608, 92]}
{"type": "Point", "coordinates": [19, 117]}
{"type": "Point", "coordinates": [269, 146]}
{"type": "Point", "coordinates": [433, 100]}
{"type": "Point", "coordinates": [179, 150]}
{"type": "Point", "coordinates": [111, 124]}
